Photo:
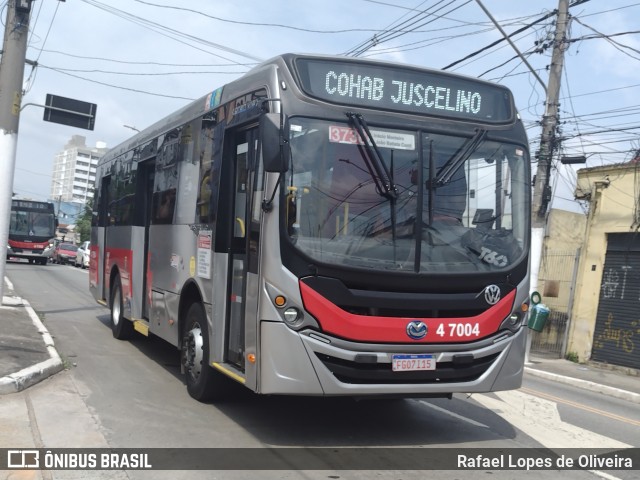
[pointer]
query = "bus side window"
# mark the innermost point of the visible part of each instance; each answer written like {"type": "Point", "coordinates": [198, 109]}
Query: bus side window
{"type": "Point", "coordinates": [166, 180]}
{"type": "Point", "coordinates": [163, 206]}
{"type": "Point", "coordinates": [210, 152]}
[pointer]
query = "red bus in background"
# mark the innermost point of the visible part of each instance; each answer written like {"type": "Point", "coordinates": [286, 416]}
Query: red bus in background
{"type": "Point", "coordinates": [32, 228]}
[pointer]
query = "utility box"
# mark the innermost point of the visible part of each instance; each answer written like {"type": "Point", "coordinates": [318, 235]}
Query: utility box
{"type": "Point", "coordinates": [538, 317]}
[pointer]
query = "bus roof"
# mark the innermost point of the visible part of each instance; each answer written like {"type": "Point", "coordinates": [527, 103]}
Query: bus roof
{"type": "Point", "coordinates": [358, 82]}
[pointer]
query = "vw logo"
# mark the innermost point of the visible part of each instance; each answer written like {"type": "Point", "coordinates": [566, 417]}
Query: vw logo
{"type": "Point", "coordinates": [416, 330]}
{"type": "Point", "coordinates": [492, 294]}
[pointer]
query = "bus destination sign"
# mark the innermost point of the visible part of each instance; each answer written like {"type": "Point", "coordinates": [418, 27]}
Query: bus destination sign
{"type": "Point", "coordinates": [406, 90]}
{"type": "Point", "coordinates": [28, 204]}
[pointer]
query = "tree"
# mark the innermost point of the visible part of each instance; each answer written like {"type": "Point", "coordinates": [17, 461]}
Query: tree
{"type": "Point", "coordinates": [83, 223]}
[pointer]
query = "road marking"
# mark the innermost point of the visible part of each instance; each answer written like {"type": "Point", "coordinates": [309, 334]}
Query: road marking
{"type": "Point", "coordinates": [454, 415]}
{"type": "Point", "coordinates": [603, 413]}
{"type": "Point", "coordinates": [539, 418]}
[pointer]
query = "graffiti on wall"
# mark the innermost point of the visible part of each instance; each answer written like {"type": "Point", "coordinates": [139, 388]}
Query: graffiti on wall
{"type": "Point", "coordinates": [616, 337]}
{"type": "Point", "coordinates": [614, 284]}
{"type": "Point", "coordinates": [623, 338]}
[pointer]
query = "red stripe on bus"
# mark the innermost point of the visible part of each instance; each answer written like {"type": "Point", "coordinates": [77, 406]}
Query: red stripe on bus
{"type": "Point", "coordinates": [28, 245]}
{"type": "Point", "coordinates": [364, 328]}
{"type": "Point", "coordinates": [123, 259]}
{"type": "Point", "coordinates": [94, 255]}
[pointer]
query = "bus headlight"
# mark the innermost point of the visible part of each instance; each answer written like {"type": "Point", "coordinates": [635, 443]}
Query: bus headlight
{"type": "Point", "coordinates": [512, 322]}
{"type": "Point", "coordinates": [289, 310]}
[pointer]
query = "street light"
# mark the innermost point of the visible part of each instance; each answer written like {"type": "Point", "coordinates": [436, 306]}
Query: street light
{"type": "Point", "coordinates": [132, 128]}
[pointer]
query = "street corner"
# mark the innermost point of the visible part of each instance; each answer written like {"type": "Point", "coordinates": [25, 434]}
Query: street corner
{"type": "Point", "coordinates": [29, 376]}
{"type": "Point", "coordinates": [27, 351]}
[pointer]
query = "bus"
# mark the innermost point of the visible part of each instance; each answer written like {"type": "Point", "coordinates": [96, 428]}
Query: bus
{"type": "Point", "coordinates": [325, 226]}
{"type": "Point", "coordinates": [32, 229]}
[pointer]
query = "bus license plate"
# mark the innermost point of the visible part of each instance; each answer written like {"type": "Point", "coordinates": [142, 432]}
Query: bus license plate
{"type": "Point", "coordinates": [411, 363]}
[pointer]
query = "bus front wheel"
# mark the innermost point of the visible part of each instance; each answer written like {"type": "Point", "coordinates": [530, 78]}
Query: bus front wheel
{"type": "Point", "coordinates": [121, 328]}
{"type": "Point", "coordinates": [203, 382]}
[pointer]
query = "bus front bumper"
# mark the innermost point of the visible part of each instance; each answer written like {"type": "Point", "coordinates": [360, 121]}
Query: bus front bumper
{"type": "Point", "coordinates": [312, 363]}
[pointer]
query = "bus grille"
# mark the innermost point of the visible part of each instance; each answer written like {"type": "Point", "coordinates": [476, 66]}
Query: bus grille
{"type": "Point", "coordinates": [347, 371]}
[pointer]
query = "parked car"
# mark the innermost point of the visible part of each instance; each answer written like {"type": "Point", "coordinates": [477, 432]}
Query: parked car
{"type": "Point", "coordinates": [65, 253]}
{"type": "Point", "coordinates": [83, 255]}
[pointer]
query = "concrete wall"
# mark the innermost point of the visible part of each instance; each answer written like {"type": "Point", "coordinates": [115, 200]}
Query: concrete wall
{"type": "Point", "coordinates": [612, 194]}
{"type": "Point", "coordinates": [565, 234]}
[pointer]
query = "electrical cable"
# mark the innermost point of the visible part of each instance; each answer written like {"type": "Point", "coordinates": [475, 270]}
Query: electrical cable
{"type": "Point", "coordinates": [170, 32]}
{"type": "Point", "coordinates": [119, 87]}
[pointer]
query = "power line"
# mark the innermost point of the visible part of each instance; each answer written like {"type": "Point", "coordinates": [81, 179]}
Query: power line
{"type": "Point", "coordinates": [615, 44]}
{"type": "Point", "coordinates": [140, 74]}
{"type": "Point", "coordinates": [612, 10]}
{"type": "Point", "coordinates": [254, 24]}
{"type": "Point", "coordinates": [424, 43]}
{"type": "Point", "coordinates": [170, 32]}
{"type": "Point", "coordinates": [388, 34]}
{"type": "Point", "coordinates": [119, 87]}
{"type": "Point", "coordinates": [497, 42]}
{"type": "Point", "coordinates": [395, 24]}
{"type": "Point", "coordinates": [32, 75]}
{"type": "Point", "coordinates": [138, 62]}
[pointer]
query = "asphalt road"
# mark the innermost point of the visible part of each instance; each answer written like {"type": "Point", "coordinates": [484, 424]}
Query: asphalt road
{"type": "Point", "coordinates": [134, 393]}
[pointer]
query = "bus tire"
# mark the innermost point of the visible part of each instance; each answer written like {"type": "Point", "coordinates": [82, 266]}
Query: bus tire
{"type": "Point", "coordinates": [203, 382]}
{"type": "Point", "coordinates": [121, 328]}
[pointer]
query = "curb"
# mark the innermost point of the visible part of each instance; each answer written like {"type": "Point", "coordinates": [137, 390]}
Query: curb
{"type": "Point", "coordinates": [26, 377]}
{"type": "Point", "coordinates": [586, 384]}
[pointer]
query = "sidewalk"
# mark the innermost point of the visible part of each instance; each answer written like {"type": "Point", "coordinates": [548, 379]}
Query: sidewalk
{"type": "Point", "coordinates": [28, 355]}
{"type": "Point", "coordinates": [613, 381]}
{"type": "Point", "coordinates": [27, 352]}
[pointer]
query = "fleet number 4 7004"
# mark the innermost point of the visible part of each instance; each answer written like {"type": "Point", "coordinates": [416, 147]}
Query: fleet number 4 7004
{"type": "Point", "coordinates": [458, 330]}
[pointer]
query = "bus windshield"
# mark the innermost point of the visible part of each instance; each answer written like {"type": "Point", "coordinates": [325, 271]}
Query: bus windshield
{"type": "Point", "coordinates": [459, 203]}
{"type": "Point", "coordinates": [30, 223]}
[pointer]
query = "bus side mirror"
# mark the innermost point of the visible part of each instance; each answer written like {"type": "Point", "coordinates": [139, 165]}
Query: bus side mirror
{"type": "Point", "coordinates": [274, 146]}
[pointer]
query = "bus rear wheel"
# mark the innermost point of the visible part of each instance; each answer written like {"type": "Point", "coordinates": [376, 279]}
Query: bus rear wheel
{"type": "Point", "coordinates": [121, 328]}
{"type": "Point", "coordinates": [203, 382]}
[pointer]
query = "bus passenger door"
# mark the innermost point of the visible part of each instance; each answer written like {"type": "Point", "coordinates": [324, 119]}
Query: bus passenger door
{"type": "Point", "coordinates": [242, 306]}
{"type": "Point", "coordinates": [104, 221]}
{"type": "Point", "coordinates": [144, 194]}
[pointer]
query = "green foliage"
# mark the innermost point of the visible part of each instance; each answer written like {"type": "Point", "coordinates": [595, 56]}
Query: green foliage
{"type": "Point", "coordinates": [83, 223]}
{"type": "Point", "coordinates": [572, 357]}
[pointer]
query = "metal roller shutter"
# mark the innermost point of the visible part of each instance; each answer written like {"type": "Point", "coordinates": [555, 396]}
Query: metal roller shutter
{"type": "Point", "coordinates": [616, 339]}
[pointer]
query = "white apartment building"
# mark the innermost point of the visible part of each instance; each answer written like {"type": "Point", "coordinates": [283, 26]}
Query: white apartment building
{"type": "Point", "coordinates": [74, 170]}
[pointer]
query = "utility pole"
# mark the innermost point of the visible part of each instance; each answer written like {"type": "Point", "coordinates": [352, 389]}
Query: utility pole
{"type": "Point", "coordinates": [11, 78]}
{"type": "Point", "coordinates": [548, 146]}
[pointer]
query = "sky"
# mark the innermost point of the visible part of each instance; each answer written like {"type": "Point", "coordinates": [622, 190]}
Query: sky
{"type": "Point", "coordinates": [140, 60]}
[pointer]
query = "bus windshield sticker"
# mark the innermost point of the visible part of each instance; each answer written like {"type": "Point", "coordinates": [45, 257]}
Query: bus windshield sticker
{"type": "Point", "coordinates": [408, 90]}
{"type": "Point", "coordinates": [384, 138]}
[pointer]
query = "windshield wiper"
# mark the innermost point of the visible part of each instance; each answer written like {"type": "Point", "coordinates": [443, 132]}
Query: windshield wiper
{"type": "Point", "coordinates": [449, 169]}
{"type": "Point", "coordinates": [380, 174]}
{"type": "Point", "coordinates": [378, 170]}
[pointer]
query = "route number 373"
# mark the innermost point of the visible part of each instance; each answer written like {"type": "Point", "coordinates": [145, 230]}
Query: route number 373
{"type": "Point", "coordinates": [459, 330]}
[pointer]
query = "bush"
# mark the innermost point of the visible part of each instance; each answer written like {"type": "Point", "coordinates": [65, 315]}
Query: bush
{"type": "Point", "coordinates": [572, 357]}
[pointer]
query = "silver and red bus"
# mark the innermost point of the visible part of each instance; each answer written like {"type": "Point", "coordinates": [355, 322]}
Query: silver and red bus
{"type": "Point", "coordinates": [325, 226]}
{"type": "Point", "coordinates": [32, 229]}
